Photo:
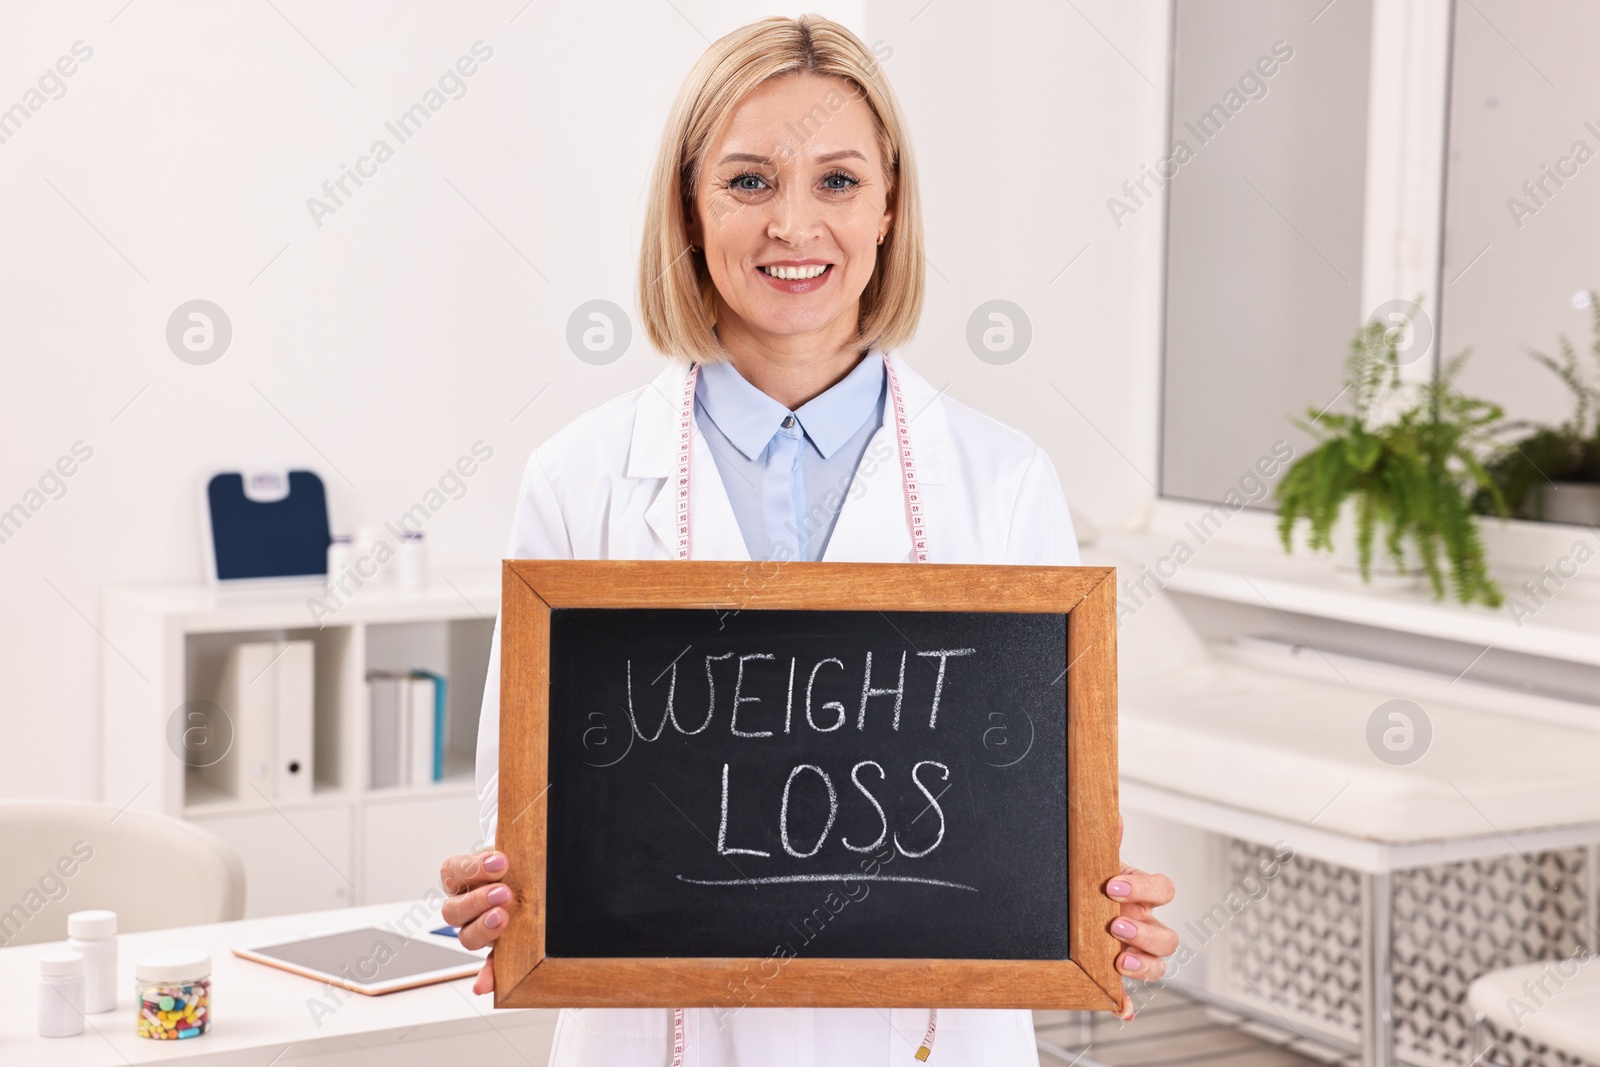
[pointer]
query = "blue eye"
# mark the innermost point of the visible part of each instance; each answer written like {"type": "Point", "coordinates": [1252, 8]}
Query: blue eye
{"type": "Point", "coordinates": [848, 180]}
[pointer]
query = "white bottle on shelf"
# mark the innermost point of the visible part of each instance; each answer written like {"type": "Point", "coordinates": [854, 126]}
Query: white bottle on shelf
{"type": "Point", "coordinates": [341, 553]}
{"type": "Point", "coordinates": [371, 566]}
{"type": "Point", "coordinates": [413, 561]}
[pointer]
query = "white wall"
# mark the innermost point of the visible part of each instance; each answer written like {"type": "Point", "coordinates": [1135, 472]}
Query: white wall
{"type": "Point", "coordinates": [1028, 118]}
{"type": "Point", "coordinates": [427, 312]}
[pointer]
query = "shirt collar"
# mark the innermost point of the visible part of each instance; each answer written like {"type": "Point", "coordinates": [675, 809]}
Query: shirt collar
{"type": "Point", "coordinates": [748, 417]}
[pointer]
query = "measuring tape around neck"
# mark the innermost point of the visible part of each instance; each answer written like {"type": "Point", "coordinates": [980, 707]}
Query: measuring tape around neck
{"type": "Point", "coordinates": [908, 468]}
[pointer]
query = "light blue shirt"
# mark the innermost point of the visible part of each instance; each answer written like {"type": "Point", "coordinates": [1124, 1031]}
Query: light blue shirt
{"type": "Point", "coordinates": [787, 472]}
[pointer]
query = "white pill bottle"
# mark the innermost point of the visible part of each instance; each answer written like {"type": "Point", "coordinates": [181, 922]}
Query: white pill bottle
{"type": "Point", "coordinates": [60, 994]}
{"type": "Point", "coordinates": [94, 934]}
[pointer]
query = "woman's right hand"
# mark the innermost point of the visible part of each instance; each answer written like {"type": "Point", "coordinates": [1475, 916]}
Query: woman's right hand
{"type": "Point", "coordinates": [476, 904]}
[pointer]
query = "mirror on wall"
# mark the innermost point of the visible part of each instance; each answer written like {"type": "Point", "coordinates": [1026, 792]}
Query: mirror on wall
{"type": "Point", "coordinates": [1265, 179]}
{"type": "Point", "coordinates": [1522, 206]}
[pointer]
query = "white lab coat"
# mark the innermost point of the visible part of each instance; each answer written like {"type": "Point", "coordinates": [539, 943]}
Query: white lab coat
{"type": "Point", "coordinates": [598, 489]}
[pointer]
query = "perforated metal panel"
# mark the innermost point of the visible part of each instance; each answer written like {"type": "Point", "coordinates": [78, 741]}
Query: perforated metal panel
{"type": "Point", "coordinates": [1457, 922]}
{"type": "Point", "coordinates": [1301, 945]}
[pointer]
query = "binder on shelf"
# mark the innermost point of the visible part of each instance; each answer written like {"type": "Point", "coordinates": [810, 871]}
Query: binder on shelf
{"type": "Point", "coordinates": [384, 693]}
{"type": "Point", "coordinates": [408, 713]}
{"type": "Point", "coordinates": [265, 697]}
{"type": "Point", "coordinates": [419, 728]}
{"type": "Point", "coordinates": [295, 692]}
{"type": "Point", "coordinates": [438, 724]}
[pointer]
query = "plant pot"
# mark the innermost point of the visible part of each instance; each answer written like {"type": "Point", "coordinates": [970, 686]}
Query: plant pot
{"type": "Point", "coordinates": [1577, 503]}
{"type": "Point", "coordinates": [1382, 573]}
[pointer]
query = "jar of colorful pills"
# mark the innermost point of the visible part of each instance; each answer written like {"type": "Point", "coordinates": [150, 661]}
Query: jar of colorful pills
{"type": "Point", "coordinates": [173, 992]}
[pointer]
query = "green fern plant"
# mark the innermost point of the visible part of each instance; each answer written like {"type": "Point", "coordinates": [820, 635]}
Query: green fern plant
{"type": "Point", "coordinates": [1569, 452]}
{"type": "Point", "coordinates": [1408, 460]}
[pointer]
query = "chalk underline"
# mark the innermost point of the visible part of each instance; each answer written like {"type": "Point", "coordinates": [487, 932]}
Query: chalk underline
{"type": "Point", "coordinates": [827, 878]}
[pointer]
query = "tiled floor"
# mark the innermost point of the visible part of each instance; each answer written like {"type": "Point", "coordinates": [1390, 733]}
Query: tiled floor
{"type": "Point", "coordinates": [1174, 1031]}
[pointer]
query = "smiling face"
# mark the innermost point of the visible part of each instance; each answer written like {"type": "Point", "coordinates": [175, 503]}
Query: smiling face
{"type": "Point", "coordinates": [791, 201]}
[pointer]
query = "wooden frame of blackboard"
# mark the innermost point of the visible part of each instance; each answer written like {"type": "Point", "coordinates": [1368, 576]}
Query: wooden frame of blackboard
{"type": "Point", "coordinates": [525, 977]}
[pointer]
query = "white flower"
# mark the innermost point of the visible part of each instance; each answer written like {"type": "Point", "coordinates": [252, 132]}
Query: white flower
{"type": "Point", "coordinates": [1581, 299]}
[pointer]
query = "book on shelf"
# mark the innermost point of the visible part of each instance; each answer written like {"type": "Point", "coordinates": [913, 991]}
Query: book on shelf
{"type": "Point", "coordinates": [408, 727]}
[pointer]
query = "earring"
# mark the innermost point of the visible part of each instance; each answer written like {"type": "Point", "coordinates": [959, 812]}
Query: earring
{"type": "Point", "coordinates": [880, 238]}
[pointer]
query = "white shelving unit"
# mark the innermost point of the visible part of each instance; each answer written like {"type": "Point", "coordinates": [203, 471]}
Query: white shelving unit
{"type": "Point", "coordinates": [347, 843]}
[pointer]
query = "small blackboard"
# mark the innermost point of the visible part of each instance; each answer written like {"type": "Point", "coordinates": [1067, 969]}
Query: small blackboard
{"type": "Point", "coordinates": [863, 779]}
{"type": "Point", "coordinates": [903, 813]}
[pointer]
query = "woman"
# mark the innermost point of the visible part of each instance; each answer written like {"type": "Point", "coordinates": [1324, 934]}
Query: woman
{"type": "Point", "coordinates": [782, 267]}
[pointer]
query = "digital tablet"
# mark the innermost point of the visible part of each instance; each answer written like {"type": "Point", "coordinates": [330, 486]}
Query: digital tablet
{"type": "Point", "coordinates": [370, 960]}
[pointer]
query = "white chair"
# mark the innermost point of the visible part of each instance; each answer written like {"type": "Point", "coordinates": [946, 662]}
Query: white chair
{"type": "Point", "coordinates": [154, 871]}
{"type": "Point", "coordinates": [1554, 1003]}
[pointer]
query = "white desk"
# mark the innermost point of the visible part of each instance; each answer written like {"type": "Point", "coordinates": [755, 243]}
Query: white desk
{"type": "Point", "coordinates": [262, 1013]}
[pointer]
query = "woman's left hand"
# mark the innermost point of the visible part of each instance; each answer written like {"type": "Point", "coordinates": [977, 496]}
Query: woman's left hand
{"type": "Point", "coordinates": [1148, 939]}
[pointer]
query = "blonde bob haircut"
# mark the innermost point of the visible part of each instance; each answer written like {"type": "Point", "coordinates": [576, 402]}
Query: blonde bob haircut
{"type": "Point", "coordinates": [675, 288]}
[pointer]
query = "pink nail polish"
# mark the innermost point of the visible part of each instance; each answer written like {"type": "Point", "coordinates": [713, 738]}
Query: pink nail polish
{"type": "Point", "coordinates": [500, 894]}
{"type": "Point", "coordinates": [1123, 928]}
{"type": "Point", "coordinates": [1119, 889]}
{"type": "Point", "coordinates": [1131, 962]}
{"type": "Point", "coordinates": [492, 920]}
{"type": "Point", "coordinates": [495, 863]}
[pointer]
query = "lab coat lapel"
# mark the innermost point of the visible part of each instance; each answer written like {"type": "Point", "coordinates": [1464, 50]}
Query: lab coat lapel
{"type": "Point", "coordinates": [714, 531]}
{"type": "Point", "coordinates": [872, 526]}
